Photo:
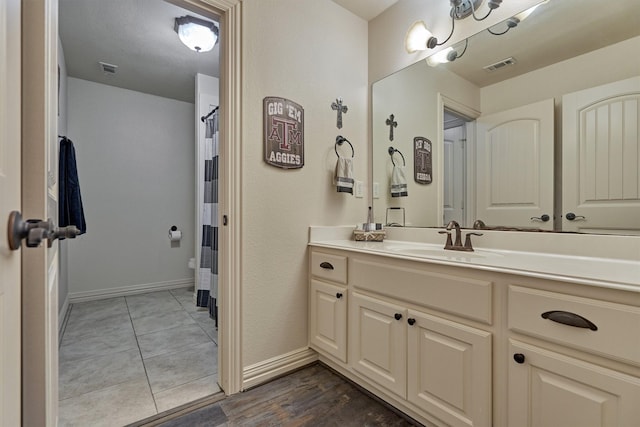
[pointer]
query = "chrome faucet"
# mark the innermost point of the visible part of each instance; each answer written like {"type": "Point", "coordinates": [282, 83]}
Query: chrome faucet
{"type": "Point", "coordinates": [457, 245]}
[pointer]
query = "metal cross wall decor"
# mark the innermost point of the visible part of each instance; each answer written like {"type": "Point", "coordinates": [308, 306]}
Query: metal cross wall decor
{"type": "Point", "coordinates": [341, 109]}
{"type": "Point", "coordinates": [392, 124]}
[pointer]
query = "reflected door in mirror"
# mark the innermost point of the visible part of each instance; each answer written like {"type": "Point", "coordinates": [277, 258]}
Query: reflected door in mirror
{"type": "Point", "coordinates": [514, 181]}
{"type": "Point", "coordinates": [601, 159]}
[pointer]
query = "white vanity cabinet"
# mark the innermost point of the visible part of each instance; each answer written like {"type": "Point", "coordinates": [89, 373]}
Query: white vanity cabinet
{"type": "Point", "coordinates": [449, 370]}
{"type": "Point", "coordinates": [462, 346]}
{"type": "Point", "coordinates": [549, 385]}
{"type": "Point", "coordinates": [328, 305]}
{"type": "Point", "coordinates": [441, 366]}
{"type": "Point", "coordinates": [378, 338]}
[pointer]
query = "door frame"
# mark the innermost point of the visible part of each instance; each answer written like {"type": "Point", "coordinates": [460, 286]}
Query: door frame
{"type": "Point", "coordinates": [230, 16]}
{"type": "Point", "coordinates": [39, 109]}
{"type": "Point", "coordinates": [471, 114]}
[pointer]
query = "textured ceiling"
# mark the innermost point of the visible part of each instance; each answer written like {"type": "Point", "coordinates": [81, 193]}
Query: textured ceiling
{"type": "Point", "coordinates": [138, 37]}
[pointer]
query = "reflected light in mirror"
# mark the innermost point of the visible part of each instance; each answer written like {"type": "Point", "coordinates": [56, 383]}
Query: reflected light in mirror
{"type": "Point", "coordinates": [439, 57]}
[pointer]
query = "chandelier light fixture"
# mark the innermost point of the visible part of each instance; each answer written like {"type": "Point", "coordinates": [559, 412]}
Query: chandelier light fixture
{"type": "Point", "coordinates": [420, 38]}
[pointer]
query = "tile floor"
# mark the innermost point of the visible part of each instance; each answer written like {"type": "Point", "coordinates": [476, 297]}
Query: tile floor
{"type": "Point", "coordinates": [127, 358]}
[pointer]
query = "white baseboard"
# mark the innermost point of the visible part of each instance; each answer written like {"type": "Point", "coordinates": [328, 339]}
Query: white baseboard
{"type": "Point", "coordinates": [269, 369]}
{"type": "Point", "coordinates": [75, 297]}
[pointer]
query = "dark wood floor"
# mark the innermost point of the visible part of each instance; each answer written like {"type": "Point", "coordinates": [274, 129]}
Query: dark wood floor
{"type": "Point", "coordinates": [313, 396]}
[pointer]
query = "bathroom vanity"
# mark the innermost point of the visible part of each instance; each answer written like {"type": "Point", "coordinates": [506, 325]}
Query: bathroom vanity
{"type": "Point", "coordinates": [485, 338]}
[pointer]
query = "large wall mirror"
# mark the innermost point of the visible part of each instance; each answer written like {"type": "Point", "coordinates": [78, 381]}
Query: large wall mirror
{"type": "Point", "coordinates": [537, 128]}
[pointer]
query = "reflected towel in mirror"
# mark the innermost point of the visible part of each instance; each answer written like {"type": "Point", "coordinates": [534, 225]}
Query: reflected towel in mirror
{"type": "Point", "coordinates": [398, 182]}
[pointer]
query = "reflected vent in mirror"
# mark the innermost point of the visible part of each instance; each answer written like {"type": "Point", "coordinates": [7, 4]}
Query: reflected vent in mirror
{"type": "Point", "coordinates": [501, 64]}
{"type": "Point", "coordinates": [108, 69]}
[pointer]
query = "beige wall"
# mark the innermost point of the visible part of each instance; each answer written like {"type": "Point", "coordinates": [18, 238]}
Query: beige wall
{"type": "Point", "coordinates": [309, 51]}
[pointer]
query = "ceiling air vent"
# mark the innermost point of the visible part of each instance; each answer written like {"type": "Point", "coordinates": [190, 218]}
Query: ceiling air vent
{"type": "Point", "coordinates": [501, 64]}
{"type": "Point", "coordinates": [108, 69]}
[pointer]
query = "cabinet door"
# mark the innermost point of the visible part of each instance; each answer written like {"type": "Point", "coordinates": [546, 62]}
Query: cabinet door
{"type": "Point", "coordinates": [328, 319]}
{"type": "Point", "coordinates": [378, 337]}
{"type": "Point", "coordinates": [550, 389]}
{"type": "Point", "coordinates": [449, 370]}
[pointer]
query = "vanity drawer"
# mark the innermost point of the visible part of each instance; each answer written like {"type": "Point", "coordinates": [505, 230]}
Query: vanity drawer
{"type": "Point", "coordinates": [463, 296]}
{"type": "Point", "coordinates": [617, 325]}
{"type": "Point", "coordinates": [329, 267]}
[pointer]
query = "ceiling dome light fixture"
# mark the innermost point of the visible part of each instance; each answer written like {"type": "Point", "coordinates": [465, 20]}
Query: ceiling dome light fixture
{"type": "Point", "coordinates": [197, 34]}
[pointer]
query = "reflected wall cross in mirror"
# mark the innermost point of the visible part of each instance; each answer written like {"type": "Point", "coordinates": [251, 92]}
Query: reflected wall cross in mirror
{"type": "Point", "coordinates": [392, 124]}
{"type": "Point", "coordinates": [337, 106]}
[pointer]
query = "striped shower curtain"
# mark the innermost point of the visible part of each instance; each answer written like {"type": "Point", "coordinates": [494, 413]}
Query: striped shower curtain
{"type": "Point", "coordinates": [208, 271]}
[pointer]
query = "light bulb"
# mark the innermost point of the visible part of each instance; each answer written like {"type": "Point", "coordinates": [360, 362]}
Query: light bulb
{"type": "Point", "coordinates": [197, 37]}
{"type": "Point", "coordinates": [439, 57]}
{"type": "Point", "coordinates": [417, 37]}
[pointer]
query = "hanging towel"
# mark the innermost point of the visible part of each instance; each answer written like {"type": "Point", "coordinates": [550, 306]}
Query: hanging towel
{"type": "Point", "coordinates": [344, 175]}
{"type": "Point", "coordinates": [70, 211]}
{"type": "Point", "coordinates": [398, 182]}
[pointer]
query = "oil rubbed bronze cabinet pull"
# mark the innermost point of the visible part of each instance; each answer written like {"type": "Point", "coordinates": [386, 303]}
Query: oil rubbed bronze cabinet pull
{"type": "Point", "coordinates": [326, 265]}
{"type": "Point", "coordinates": [568, 318]}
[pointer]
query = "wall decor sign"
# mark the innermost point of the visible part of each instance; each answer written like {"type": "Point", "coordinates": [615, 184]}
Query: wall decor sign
{"type": "Point", "coordinates": [422, 164]}
{"type": "Point", "coordinates": [283, 133]}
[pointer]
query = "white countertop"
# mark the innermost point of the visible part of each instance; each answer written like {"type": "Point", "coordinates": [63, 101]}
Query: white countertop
{"type": "Point", "coordinates": [593, 271]}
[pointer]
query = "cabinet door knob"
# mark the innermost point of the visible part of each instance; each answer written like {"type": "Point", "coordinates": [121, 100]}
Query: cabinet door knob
{"type": "Point", "coordinates": [518, 357]}
{"type": "Point", "coordinates": [398, 316]}
{"type": "Point", "coordinates": [326, 265]}
{"type": "Point", "coordinates": [411, 321]}
{"type": "Point", "coordinates": [338, 295]}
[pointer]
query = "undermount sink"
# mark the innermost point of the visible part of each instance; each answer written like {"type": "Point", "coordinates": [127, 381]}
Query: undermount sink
{"type": "Point", "coordinates": [441, 253]}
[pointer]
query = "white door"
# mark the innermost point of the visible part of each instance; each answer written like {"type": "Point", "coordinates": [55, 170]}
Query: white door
{"type": "Point", "coordinates": [514, 170]}
{"type": "Point", "coordinates": [10, 390]}
{"type": "Point", "coordinates": [601, 159]}
{"type": "Point", "coordinates": [454, 175]}
{"type": "Point", "coordinates": [39, 200]}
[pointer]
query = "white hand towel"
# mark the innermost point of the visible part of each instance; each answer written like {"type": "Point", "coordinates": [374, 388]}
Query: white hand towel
{"type": "Point", "coordinates": [344, 175]}
{"type": "Point", "coordinates": [398, 182]}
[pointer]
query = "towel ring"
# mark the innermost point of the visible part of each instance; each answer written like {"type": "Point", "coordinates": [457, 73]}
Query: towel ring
{"type": "Point", "coordinates": [341, 140]}
{"type": "Point", "coordinates": [393, 150]}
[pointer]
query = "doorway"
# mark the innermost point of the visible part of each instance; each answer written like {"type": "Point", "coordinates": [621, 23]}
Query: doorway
{"type": "Point", "coordinates": [457, 192]}
{"type": "Point", "coordinates": [135, 151]}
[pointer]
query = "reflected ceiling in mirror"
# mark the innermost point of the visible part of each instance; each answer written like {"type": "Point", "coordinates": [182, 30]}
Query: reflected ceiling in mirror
{"type": "Point", "coordinates": [557, 30]}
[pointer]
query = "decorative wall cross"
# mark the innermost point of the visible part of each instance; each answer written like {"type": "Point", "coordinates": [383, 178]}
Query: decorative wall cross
{"type": "Point", "coordinates": [341, 109]}
{"type": "Point", "coordinates": [392, 124]}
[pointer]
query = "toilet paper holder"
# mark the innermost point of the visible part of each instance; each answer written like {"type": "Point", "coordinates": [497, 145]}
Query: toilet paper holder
{"type": "Point", "coordinates": [174, 234]}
